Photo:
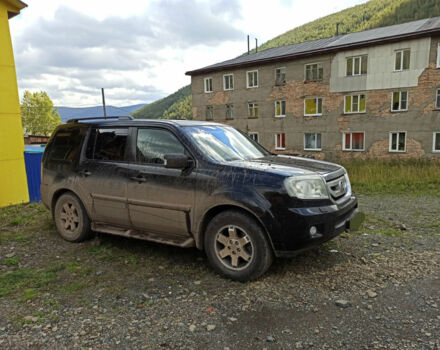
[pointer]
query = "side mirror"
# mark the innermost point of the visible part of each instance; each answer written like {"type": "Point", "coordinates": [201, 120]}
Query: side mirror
{"type": "Point", "coordinates": [176, 161]}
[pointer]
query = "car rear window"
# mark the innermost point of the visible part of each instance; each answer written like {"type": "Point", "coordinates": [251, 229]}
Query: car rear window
{"type": "Point", "coordinates": [65, 145]}
{"type": "Point", "coordinates": [107, 144]}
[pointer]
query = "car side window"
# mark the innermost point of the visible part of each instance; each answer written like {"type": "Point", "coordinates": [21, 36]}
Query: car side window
{"type": "Point", "coordinates": [107, 144]}
{"type": "Point", "coordinates": [65, 145]}
{"type": "Point", "coordinates": [153, 144]}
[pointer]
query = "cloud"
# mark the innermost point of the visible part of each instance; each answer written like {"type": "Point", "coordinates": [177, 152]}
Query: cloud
{"type": "Point", "coordinates": [75, 52]}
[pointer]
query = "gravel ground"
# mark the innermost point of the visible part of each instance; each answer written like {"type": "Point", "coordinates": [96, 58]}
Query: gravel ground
{"type": "Point", "coordinates": [377, 288]}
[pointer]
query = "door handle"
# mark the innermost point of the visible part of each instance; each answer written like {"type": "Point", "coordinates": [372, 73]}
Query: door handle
{"type": "Point", "coordinates": [138, 178]}
{"type": "Point", "coordinates": [85, 173]}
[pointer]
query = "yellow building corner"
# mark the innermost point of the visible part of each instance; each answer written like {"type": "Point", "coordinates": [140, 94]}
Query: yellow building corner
{"type": "Point", "coordinates": [13, 182]}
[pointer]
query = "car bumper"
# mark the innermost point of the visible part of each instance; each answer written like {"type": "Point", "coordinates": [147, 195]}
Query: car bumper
{"type": "Point", "coordinates": [329, 221]}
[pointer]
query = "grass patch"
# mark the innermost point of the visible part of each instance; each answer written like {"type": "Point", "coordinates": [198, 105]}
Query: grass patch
{"type": "Point", "coordinates": [29, 294]}
{"type": "Point", "coordinates": [104, 251]}
{"type": "Point", "coordinates": [11, 261]}
{"type": "Point", "coordinates": [434, 224]}
{"type": "Point", "coordinates": [77, 269]}
{"type": "Point", "coordinates": [25, 278]}
{"type": "Point", "coordinates": [20, 215]}
{"type": "Point", "coordinates": [391, 232]}
{"type": "Point", "coordinates": [394, 177]}
{"type": "Point", "coordinates": [73, 287]}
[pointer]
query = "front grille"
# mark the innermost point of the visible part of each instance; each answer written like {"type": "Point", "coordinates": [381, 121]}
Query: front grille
{"type": "Point", "coordinates": [338, 187]}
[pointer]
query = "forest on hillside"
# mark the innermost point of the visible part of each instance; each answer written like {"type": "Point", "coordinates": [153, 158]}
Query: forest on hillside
{"type": "Point", "coordinates": [372, 14]}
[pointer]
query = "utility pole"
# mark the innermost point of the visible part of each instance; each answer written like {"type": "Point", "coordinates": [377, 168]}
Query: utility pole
{"type": "Point", "coordinates": [248, 44]}
{"type": "Point", "coordinates": [256, 45]}
{"type": "Point", "coordinates": [103, 103]}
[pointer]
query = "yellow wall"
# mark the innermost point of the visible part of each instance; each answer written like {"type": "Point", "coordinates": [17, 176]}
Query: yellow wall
{"type": "Point", "coordinates": [13, 183]}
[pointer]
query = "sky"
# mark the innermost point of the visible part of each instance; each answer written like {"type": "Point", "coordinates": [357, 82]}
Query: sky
{"type": "Point", "coordinates": [139, 50]}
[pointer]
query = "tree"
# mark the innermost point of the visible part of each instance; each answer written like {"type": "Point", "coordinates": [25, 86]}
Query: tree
{"type": "Point", "coordinates": [182, 109]}
{"type": "Point", "coordinates": [39, 117]}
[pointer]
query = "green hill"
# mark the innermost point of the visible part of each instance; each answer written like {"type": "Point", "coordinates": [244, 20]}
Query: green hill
{"type": "Point", "coordinates": [372, 14]}
{"type": "Point", "coordinates": [157, 109]}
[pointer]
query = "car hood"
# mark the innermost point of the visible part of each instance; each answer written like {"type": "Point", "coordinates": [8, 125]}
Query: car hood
{"type": "Point", "coordinates": [288, 165]}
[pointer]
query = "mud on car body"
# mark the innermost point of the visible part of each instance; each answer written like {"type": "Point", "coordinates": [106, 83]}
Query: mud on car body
{"type": "Point", "coordinates": [191, 183]}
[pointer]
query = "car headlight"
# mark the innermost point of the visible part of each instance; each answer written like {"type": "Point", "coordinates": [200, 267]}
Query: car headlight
{"type": "Point", "coordinates": [306, 187]}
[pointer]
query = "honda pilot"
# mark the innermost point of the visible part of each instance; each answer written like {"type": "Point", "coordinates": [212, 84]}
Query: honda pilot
{"type": "Point", "coordinates": [192, 184]}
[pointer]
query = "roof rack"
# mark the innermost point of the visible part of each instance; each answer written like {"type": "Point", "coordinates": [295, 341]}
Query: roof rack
{"type": "Point", "coordinates": [76, 120]}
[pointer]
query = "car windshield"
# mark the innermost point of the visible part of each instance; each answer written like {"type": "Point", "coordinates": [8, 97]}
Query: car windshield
{"type": "Point", "coordinates": [222, 143]}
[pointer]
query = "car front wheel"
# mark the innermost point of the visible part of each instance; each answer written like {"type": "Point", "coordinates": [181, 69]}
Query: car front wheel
{"type": "Point", "coordinates": [237, 247]}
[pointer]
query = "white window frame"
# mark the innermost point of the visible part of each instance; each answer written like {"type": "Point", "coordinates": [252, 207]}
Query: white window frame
{"type": "Point", "coordinates": [435, 134]}
{"type": "Point", "coordinates": [312, 133]}
{"type": "Point", "coordinates": [224, 82]}
{"type": "Point", "coordinates": [283, 82]}
{"type": "Point", "coordinates": [353, 58]}
{"type": "Point", "coordinates": [344, 148]}
{"type": "Point", "coordinates": [316, 101]}
{"type": "Point", "coordinates": [438, 55]}
{"type": "Point", "coordinates": [247, 79]}
{"type": "Point", "coordinates": [400, 101]}
{"type": "Point", "coordinates": [253, 107]}
{"type": "Point", "coordinates": [359, 104]}
{"type": "Point", "coordinates": [251, 134]}
{"type": "Point", "coordinates": [204, 85]}
{"type": "Point", "coordinates": [211, 108]}
{"type": "Point", "coordinates": [437, 94]}
{"type": "Point", "coordinates": [277, 147]}
{"type": "Point", "coordinates": [401, 60]}
{"type": "Point", "coordinates": [397, 143]}
{"type": "Point", "coordinates": [232, 111]}
{"type": "Point", "coordinates": [281, 108]}
{"type": "Point", "coordinates": [312, 64]}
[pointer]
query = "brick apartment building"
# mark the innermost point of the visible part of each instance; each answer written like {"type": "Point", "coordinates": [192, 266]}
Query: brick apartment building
{"type": "Point", "coordinates": [374, 93]}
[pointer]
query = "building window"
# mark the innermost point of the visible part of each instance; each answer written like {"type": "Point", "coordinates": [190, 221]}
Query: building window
{"type": "Point", "coordinates": [436, 142]}
{"type": "Point", "coordinates": [208, 85]}
{"type": "Point", "coordinates": [209, 113]}
{"type": "Point", "coordinates": [357, 65]}
{"type": "Point", "coordinates": [398, 141]}
{"type": "Point", "coordinates": [280, 141]}
{"type": "Point", "coordinates": [280, 108]}
{"type": "Point", "coordinates": [228, 82]}
{"type": "Point", "coordinates": [253, 110]}
{"type": "Point", "coordinates": [313, 106]}
{"type": "Point", "coordinates": [402, 58]}
{"type": "Point", "coordinates": [280, 76]}
{"type": "Point", "coordinates": [254, 136]}
{"type": "Point", "coordinates": [399, 101]}
{"type": "Point", "coordinates": [229, 111]}
{"type": "Point", "coordinates": [314, 71]}
{"type": "Point", "coordinates": [312, 142]}
{"type": "Point", "coordinates": [438, 55]}
{"type": "Point", "coordinates": [437, 100]}
{"type": "Point", "coordinates": [353, 141]}
{"type": "Point", "coordinates": [252, 79]}
{"type": "Point", "coordinates": [355, 104]}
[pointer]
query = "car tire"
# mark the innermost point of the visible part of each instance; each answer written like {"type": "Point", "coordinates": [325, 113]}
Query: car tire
{"type": "Point", "coordinates": [237, 247]}
{"type": "Point", "coordinates": [71, 218]}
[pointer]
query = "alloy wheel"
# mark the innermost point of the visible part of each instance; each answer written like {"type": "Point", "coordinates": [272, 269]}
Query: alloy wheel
{"type": "Point", "coordinates": [234, 247]}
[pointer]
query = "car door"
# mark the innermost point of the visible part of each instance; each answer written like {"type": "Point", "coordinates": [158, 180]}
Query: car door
{"type": "Point", "coordinates": [103, 175]}
{"type": "Point", "coordinates": [160, 199]}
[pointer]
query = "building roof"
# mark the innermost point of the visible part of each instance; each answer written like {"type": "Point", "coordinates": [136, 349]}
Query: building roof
{"type": "Point", "coordinates": [14, 7]}
{"type": "Point", "coordinates": [398, 32]}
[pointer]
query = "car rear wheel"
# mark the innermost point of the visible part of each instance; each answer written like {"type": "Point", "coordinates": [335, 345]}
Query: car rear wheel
{"type": "Point", "coordinates": [71, 218]}
{"type": "Point", "coordinates": [237, 247]}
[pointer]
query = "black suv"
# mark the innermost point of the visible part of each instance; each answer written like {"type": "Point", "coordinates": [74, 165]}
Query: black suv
{"type": "Point", "coordinates": [192, 183]}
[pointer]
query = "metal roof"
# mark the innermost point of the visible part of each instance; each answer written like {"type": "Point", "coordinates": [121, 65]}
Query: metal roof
{"type": "Point", "coordinates": [396, 32]}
